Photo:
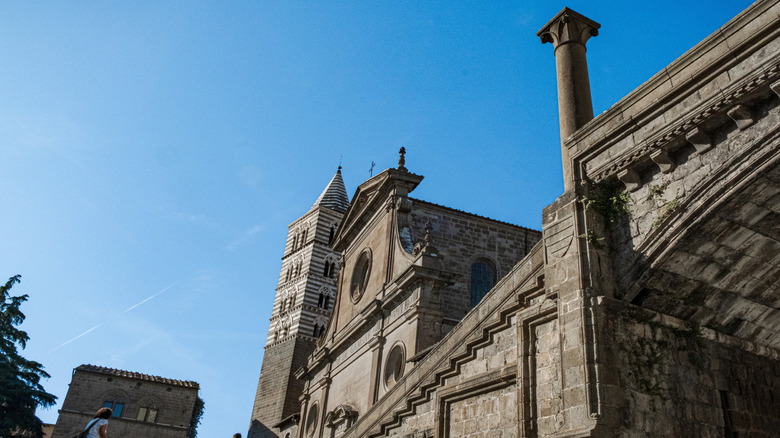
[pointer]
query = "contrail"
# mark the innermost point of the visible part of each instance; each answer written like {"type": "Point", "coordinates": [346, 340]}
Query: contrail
{"type": "Point", "coordinates": [143, 301]}
{"type": "Point", "coordinates": [73, 339]}
{"type": "Point", "coordinates": [126, 310]}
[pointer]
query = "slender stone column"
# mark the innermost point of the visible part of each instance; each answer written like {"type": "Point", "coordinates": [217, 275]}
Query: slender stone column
{"type": "Point", "coordinates": [568, 32]}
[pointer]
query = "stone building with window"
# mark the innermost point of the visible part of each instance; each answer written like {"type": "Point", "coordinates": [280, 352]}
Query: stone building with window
{"type": "Point", "coordinates": [143, 405]}
{"type": "Point", "coordinates": [649, 305]}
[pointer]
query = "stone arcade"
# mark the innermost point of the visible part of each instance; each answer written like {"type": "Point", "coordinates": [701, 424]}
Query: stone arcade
{"type": "Point", "coordinates": [649, 307]}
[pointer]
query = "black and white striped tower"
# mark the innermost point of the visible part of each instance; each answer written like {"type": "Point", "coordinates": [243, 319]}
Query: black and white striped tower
{"type": "Point", "coordinates": [304, 299]}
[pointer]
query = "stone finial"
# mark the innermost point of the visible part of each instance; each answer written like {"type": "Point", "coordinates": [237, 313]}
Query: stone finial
{"type": "Point", "coordinates": [567, 27]}
{"type": "Point", "coordinates": [402, 160]}
{"type": "Point", "coordinates": [568, 32]}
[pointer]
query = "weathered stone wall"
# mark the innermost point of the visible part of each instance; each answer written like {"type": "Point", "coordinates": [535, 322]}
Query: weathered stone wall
{"type": "Point", "coordinates": [475, 368]}
{"type": "Point", "coordinates": [670, 378]}
{"type": "Point", "coordinates": [276, 382]}
{"type": "Point", "coordinates": [492, 414]}
{"type": "Point", "coordinates": [89, 390]}
{"type": "Point", "coordinates": [462, 238]}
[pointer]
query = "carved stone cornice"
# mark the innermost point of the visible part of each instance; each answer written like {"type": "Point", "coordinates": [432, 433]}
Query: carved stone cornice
{"type": "Point", "coordinates": [688, 129]}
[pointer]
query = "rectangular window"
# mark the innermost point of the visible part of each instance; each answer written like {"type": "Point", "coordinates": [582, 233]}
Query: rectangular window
{"type": "Point", "coordinates": [141, 414]}
{"type": "Point", "coordinates": [118, 409]}
{"type": "Point", "coordinates": [108, 404]}
{"type": "Point", "coordinates": [152, 415]}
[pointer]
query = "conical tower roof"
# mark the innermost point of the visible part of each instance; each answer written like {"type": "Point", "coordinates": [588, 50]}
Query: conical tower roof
{"type": "Point", "coordinates": [334, 196]}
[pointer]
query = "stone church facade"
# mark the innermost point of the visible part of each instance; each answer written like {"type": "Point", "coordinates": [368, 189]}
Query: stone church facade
{"type": "Point", "coordinates": [648, 306]}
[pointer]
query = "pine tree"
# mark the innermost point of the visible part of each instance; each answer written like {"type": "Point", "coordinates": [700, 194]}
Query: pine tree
{"type": "Point", "coordinates": [20, 388]}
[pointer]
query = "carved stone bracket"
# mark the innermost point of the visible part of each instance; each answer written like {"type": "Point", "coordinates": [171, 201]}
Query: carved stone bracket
{"type": "Point", "coordinates": [742, 116]}
{"type": "Point", "coordinates": [700, 139]}
{"type": "Point", "coordinates": [775, 87]}
{"type": "Point", "coordinates": [663, 160]}
{"type": "Point", "coordinates": [768, 77]}
{"type": "Point", "coordinates": [630, 178]}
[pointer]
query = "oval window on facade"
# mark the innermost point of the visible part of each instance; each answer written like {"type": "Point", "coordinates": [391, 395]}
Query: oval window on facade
{"type": "Point", "coordinates": [394, 366]}
{"type": "Point", "coordinates": [311, 419]}
{"type": "Point", "coordinates": [360, 276]}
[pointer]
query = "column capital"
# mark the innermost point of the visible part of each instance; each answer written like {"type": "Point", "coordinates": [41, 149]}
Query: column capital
{"type": "Point", "coordinates": [568, 27]}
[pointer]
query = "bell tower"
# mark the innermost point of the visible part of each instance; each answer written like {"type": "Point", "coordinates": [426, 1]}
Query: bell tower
{"type": "Point", "coordinates": [304, 300]}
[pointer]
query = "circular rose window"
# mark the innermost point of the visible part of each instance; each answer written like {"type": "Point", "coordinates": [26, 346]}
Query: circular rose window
{"type": "Point", "coordinates": [360, 276]}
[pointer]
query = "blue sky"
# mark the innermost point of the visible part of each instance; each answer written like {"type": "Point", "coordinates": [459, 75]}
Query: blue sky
{"type": "Point", "coordinates": [155, 152]}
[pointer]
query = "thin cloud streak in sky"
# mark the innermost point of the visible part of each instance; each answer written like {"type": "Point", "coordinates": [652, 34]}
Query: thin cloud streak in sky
{"type": "Point", "coordinates": [74, 338]}
{"type": "Point", "coordinates": [126, 310]}
{"type": "Point", "coordinates": [147, 299]}
{"type": "Point", "coordinates": [245, 239]}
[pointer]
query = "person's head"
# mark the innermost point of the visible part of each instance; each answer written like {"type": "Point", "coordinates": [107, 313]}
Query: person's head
{"type": "Point", "coordinates": [236, 435]}
{"type": "Point", "coordinates": [104, 413]}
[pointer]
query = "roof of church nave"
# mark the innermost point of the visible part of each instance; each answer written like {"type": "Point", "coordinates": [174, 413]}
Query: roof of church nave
{"type": "Point", "coordinates": [334, 196]}
{"type": "Point", "coordinates": [470, 214]}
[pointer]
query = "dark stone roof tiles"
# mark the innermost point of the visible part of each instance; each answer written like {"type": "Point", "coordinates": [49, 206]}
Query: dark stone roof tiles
{"type": "Point", "coordinates": [139, 376]}
{"type": "Point", "coordinates": [334, 196]}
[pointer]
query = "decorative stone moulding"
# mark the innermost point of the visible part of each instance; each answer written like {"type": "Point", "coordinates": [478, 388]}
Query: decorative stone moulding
{"type": "Point", "coordinates": [688, 126]}
{"type": "Point", "coordinates": [700, 139]}
{"type": "Point", "coordinates": [663, 160]}
{"type": "Point", "coordinates": [742, 116]}
{"type": "Point", "coordinates": [630, 178]}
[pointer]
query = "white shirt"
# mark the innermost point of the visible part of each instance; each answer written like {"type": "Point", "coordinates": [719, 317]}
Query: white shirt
{"type": "Point", "coordinates": [93, 431]}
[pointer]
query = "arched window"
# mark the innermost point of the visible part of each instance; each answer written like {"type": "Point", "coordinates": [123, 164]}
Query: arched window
{"type": "Point", "coordinates": [147, 412]}
{"type": "Point", "coordinates": [483, 278]}
{"type": "Point", "coordinates": [326, 272]}
{"type": "Point", "coordinates": [295, 242]}
{"type": "Point", "coordinates": [116, 401]}
{"type": "Point", "coordinates": [115, 405]}
{"type": "Point", "coordinates": [332, 234]}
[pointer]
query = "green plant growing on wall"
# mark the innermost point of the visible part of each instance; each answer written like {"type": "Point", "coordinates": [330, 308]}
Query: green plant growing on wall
{"type": "Point", "coordinates": [593, 238]}
{"type": "Point", "coordinates": [197, 414]}
{"type": "Point", "coordinates": [668, 209]}
{"type": "Point", "coordinates": [656, 191]}
{"type": "Point", "coordinates": [608, 202]}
